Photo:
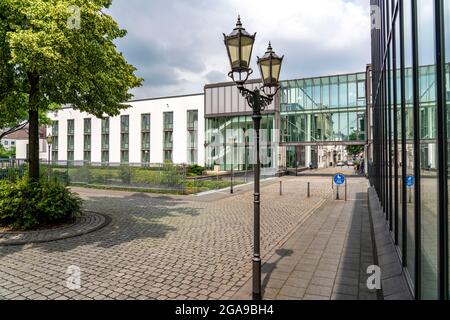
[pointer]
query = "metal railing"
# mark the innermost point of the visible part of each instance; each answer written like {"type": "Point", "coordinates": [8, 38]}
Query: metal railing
{"type": "Point", "coordinates": [136, 176]}
{"type": "Point", "coordinates": [147, 177]}
{"type": "Point", "coordinates": [12, 169]}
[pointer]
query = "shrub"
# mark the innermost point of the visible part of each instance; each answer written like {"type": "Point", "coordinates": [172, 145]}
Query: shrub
{"type": "Point", "coordinates": [6, 154]}
{"type": "Point", "coordinates": [125, 174]}
{"type": "Point", "coordinates": [24, 204]}
{"type": "Point", "coordinates": [195, 170]}
{"type": "Point", "coordinates": [171, 175]}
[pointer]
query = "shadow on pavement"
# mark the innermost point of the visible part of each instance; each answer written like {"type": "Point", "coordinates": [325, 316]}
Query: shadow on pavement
{"type": "Point", "coordinates": [134, 216]}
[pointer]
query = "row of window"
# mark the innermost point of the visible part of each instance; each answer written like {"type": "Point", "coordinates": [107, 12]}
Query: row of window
{"type": "Point", "coordinates": [6, 143]}
{"type": "Point", "coordinates": [192, 124]}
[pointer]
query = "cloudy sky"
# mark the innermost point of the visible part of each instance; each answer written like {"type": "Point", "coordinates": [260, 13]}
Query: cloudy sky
{"type": "Point", "coordinates": [177, 45]}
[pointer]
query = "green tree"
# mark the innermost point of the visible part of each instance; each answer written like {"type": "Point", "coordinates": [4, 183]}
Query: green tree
{"type": "Point", "coordinates": [59, 52]}
{"type": "Point", "coordinates": [4, 154]}
{"type": "Point", "coordinates": [356, 149]}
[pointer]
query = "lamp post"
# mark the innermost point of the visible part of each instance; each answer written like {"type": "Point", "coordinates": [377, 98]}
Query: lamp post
{"type": "Point", "coordinates": [239, 44]}
{"type": "Point", "coordinates": [233, 141]}
{"type": "Point", "coordinates": [49, 145]}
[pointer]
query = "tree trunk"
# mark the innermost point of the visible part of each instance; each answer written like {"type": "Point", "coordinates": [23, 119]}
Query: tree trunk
{"type": "Point", "coordinates": [33, 142]}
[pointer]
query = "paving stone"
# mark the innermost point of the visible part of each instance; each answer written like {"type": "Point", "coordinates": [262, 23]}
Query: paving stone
{"type": "Point", "coordinates": [314, 297]}
{"type": "Point", "coordinates": [340, 296]}
{"type": "Point", "coordinates": [291, 291]}
{"type": "Point", "coordinates": [326, 282]}
{"type": "Point", "coordinates": [319, 290]}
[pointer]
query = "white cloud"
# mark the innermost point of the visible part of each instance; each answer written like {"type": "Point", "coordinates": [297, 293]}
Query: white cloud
{"type": "Point", "coordinates": [184, 38]}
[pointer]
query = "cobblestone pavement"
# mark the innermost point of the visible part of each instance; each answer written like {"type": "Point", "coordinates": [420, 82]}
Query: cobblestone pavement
{"type": "Point", "coordinates": [161, 247]}
{"type": "Point", "coordinates": [326, 257]}
{"type": "Point", "coordinates": [86, 223]}
{"type": "Point", "coordinates": [346, 170]}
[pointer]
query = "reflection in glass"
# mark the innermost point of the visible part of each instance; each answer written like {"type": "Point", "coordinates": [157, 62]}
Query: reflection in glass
{"type": "Point", "coordinates": [222, 134]}
{"type": "Point", "coordinates": [428, 150]}
{"type": "Point", "coordinates": [398, 119]}
{"type": "Point", "coordinates": [447, 81]}
{"type": "Point", "coordinates": [343, 92]}
{"type": "Point", "coordinates": [306, 117]}
{"type": "Point", "coordinates": [409, 116]}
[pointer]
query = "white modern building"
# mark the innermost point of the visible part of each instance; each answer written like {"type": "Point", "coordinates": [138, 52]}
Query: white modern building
{"type": "Point", "coordinates": [8, 143]}
{"type": "Point", "coordinates": [310, 121]}
{"type": "Point", "coordinates": [150, 131]}
{"type": "Point", "coordinates": [18, 140]}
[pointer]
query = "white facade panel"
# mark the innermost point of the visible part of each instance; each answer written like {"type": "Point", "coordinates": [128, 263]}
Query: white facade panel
{"type": "Point", "coordinates": [21, 149]}
{"type": "Point", "coordinates": [96, 139]}
{"type": "Point", "coordinates": [156, 108]}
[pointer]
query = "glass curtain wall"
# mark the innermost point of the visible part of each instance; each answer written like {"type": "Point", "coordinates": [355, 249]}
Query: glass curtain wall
{"type": "Point", "coordinates": [408, 211]}
{"type": "Point", "coordinates": [428, 146]}
{"type": "Point", "coordinates": [447, 97]}
{"type": "Point", "coordinates": [410, 130]}
{"type": "Point", "coordinates": [323, 109]}
{"type": "Point", "coordinates": [229, 142]}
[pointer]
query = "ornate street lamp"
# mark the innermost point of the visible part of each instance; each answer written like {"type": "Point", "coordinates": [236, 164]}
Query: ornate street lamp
{"type": "Point", "coordinates": [239, 46]}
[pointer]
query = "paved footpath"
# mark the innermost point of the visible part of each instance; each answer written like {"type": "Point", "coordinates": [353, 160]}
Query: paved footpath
{"type": "Point", "coordinates": [162, 247]}
{"type": "Point", "coordinates": [326, 257]}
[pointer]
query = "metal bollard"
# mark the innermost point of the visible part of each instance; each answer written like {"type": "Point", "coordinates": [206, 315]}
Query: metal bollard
{"type": "Point", "coordinates": [309, 193]}
{"type": "Point", "coordinates": [281, 188]}
{"type": "Point", "coordinates": [345, 189]}
{"type": "Point", "coordinates": [232, 183]}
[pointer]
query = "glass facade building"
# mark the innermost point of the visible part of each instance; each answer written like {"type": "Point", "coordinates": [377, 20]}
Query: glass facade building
{"type": "Point", "coordinates": [310, 121]}
{"type": "Point", "coordinates": [409, 169]}
{"type": "Point", "coordinates": [230, 141]}
{"type": "Point", "coordinates": [324, 109]}
{"type": "Point", "coordinates": [320, 110]}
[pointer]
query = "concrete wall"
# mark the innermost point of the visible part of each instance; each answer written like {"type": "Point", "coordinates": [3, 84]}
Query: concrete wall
{"type": "Point", "coordinates": [155, 107]}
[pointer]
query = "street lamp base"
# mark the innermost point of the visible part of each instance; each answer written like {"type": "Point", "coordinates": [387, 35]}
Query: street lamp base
{"type": "Point", "coordinates": [257, 278]}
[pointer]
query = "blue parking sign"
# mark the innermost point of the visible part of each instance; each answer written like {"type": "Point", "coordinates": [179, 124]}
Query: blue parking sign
{"type": "Point", "coordinates": [339, 179]}
{"type": "Point", "coordinates": [410, 181]}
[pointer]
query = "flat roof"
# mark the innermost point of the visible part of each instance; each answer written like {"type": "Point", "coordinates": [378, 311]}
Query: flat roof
{"type": "Point", "coordinates": [229, 83]}
{"type": "Point", "coordinates": [252, 81]}
{"type": "Point", "coordinates": [167, 97]}
{"type": "Point", "coordinates": [325, 76]}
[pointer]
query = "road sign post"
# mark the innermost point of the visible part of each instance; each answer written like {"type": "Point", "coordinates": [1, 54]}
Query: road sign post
{"type": "Point", "coordinates": [339, 179]}
{"type": "Point", "coordinates": [410, 185]}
